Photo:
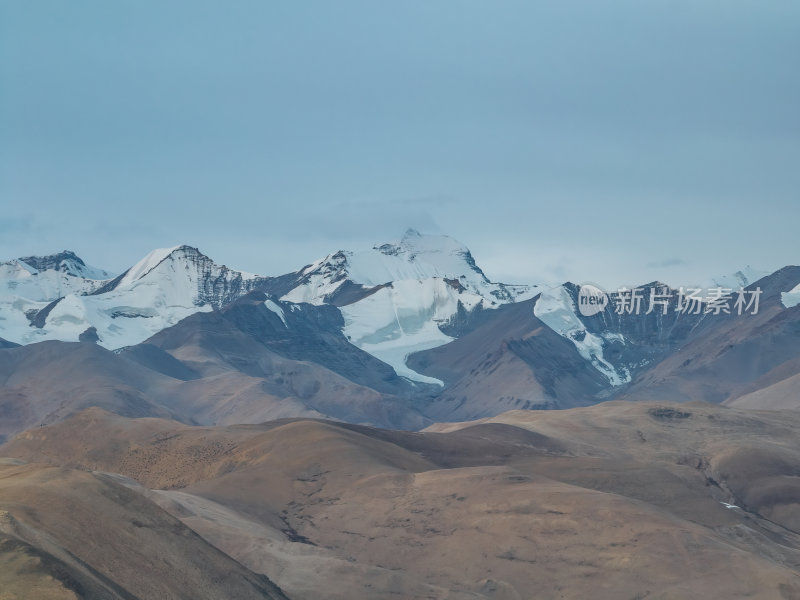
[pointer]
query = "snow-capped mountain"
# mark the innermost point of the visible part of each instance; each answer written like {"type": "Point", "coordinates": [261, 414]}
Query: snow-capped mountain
{"type": "Point", "coordinates": [557, 309]}
{"type": "Point", "coordinates": [28, 285]}
{"type": "Point", "coordinates": [45, 278]}
{"type": "Point", "coordinates": [66, 262]}
{"type": "Point", "coordinates": [634, 329]}
{"type": "Point", "coordinates": [628, 334]}
{"type": "Point", "coordinates": [182, 275]}
{"type": "Point", "coordinates": [164, 287]}
{"type": "Point", "coordinates": [421, 306]}
{"type": "Point", "coordinates": [415, 257]}
{"type": "Point", "coordinates": [397, 298]}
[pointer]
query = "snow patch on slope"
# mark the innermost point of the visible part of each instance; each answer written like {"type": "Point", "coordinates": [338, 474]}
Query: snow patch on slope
{"type": "Point", "coordinates": [791, 298]}
{"type": "Point", "coordinates": [557, 310]}
{"type": "Point", "coordinates": [275, 307]}
{"type": "Point", "coordinates": [147, 264]}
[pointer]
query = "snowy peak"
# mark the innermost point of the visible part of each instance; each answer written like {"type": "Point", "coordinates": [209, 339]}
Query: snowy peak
{"type": "Point", "coordinates": [186, 257]}
{"type": "Point", "coordinates": [65, 262]}
{"type": "Point", "coordinates": [189, 274]}
{"type": "Point", "coordinates": [164, 287]}
{"type": "Point", "coordinates": [47, 278]}
{"type": "Point", "coordinates": [415, 257]}
{"type": "Point", "coordinates": [418, 256]}
{"type": "Point", "coordinates": [439, 255]}
{"type": "Point", "coordinates": [147, 264]}
{"type": "Point", "coordinates": [401, 297]}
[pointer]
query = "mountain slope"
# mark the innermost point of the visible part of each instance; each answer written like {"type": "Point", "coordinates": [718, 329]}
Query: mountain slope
{"type": "Point", "coordinates": [545, 353]}
{"type": "Point", "coordinates": [291, 351]}
{"type": "Point", "coordinates": [733, 351]}
{"type": "Point", "coordinates": [511, 361]}
{"type": "Point", "coordinates": [370, 336]}
{"type": "Point", "coordinates": [7, 344]}
{"type": "Point", "coordinates": [617, 500]}
{"type": "Point", "coordinates": [86, 536]}
{"type": "Point", "coordinates": [255, 361]}
{"type": "Point", "coordinates": [43, 383]}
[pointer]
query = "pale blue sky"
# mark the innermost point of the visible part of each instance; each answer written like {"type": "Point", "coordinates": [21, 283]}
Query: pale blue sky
{"type": "Point", "coordinates": [616, 141]}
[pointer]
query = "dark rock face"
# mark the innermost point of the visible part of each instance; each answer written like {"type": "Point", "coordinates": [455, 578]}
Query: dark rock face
{"type": "Point", "coordinates": [90, 335]}
{"type": "Point", "coordinates": [637, 339]}
{"type": "Point", "coordinates": [111, 285]}
{"type": "Point", "coordinates": [349, 292]}
{"type": "Point", "coordinates": [55, 262]}
{"type": "Point", "coordinates": [39, 318]}
{"type": "Point", "coordinates": [706, 356]}
{"type": "Point", "coordinates": [464, 321]}
{"type": "Point", "coordinates": [217, 284]}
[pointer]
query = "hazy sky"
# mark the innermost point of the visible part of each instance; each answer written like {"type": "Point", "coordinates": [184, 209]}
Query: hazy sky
{"type": "Point", "coordinates": [609, 141]}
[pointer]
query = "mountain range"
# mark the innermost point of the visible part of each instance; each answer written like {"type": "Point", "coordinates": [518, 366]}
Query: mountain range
{"type": "Point", "coordinates": [390, 423]}
{"type": "Point", "coordinates": [399, 335]}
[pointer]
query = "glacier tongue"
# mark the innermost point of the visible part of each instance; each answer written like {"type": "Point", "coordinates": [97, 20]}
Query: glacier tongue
{"type": "Point", "coordinates": [403, 318]}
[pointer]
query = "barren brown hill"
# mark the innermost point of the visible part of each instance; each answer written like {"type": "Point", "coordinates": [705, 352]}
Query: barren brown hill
{"type": "Point", "coordinates": [73, 534]}
{"type": "Point", "coordinates": [512, 361]}
{"type": "Point", "coordinates": [43, 383]}
{"type": "Point", "coordinates": [620, 500]}
{"type": "Point", "coordinates": [776, 389]}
